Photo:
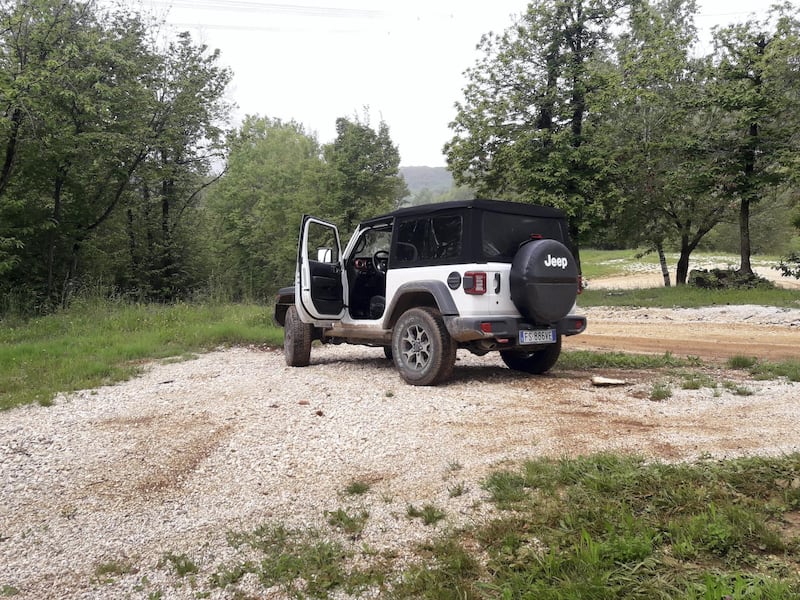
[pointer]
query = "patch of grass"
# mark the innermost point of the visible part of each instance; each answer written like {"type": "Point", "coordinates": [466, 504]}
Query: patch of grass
{"type": "Point", "coordinates": [608, 263]}
{"type": "Point", "coordinates": [688, 297]}
{"type": "Point", "coordinates": [737, 389]}
{"type": "Point", "coordinates": [660, 392]}
{"type": "Point", "coordinates": [448, 571]}
{"type": "Point", "coordinates": [95, 344]}
{"type": "Point", "coordinates": [767, 370]}
{"type": "Point", "coordinates": [357, 488]}
{"type": "Point", "coordinates": [429, 513]}
{"type": "Point", "coordinates": [605, 526]}
{"type": "Point", "coordinates": [457, 490]}
{"type": "Point", "coordinates": [301, 563]}
{"type": "Point", "coordinates": [454, 466]}
{"type": "Point", "coordinates": [351, 524]}
{"type": "Point", "coordinates": [505, 488]}
{"type": "Point", "coordinates": [611, 526]}
{"type": "Point", "coordinates": [585, 359]}
{"type": "Point", "coordinates": [8, 590]}
{"type": "Point", "coordinates": [741, 362]}
{"type": "Point", "coordinates": [107, 571]}
{"type": "Point", "coordinates": [696, 381]}
{"type": "Point", "coordinates": [181, 564]}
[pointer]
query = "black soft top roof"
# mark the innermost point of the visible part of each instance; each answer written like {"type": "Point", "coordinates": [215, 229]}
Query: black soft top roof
{"type": "Point", "coordinates": [515, 208]}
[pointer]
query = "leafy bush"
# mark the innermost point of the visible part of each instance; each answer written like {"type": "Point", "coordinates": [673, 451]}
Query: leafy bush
{"type": "Point", "coordinates": [790, 266]}
{"type": "Point", "coordinates": [717, 279]}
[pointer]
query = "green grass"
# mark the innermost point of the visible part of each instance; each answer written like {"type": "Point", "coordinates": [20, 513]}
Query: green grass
{"type": "Point", "coordinates": [688, 297]}
{"type": "Point", "coordinates": [581, 360]}
{"type": "Point", "coordinates": [607, 526]}
{"type": "Point", "coordinates": [302, 564]}
{"type": "Point", "coordinates": [357, 487]}
{"type": "Point", "coordinates": [789, 369]}
{"type": "Point", "coordinates": [181, 564]}
{"type": "Point", "coordinates": [609, 263]}
{"type": "Point", "coordinates": [660, 392]}
{"type": "Point", "coordinates": [101, 343]}
{"type": "Point", "coordinates": [351, 524]}
{"type": "Point", "coordinates": [616, 527]}
{"type": "Point", "coordinates": [429, 513]}
{"type": "Point", "coordinates": [606, 263]}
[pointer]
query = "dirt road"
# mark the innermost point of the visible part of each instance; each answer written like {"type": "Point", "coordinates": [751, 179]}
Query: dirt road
{"type": "Point", "coordinates": [710, 333]}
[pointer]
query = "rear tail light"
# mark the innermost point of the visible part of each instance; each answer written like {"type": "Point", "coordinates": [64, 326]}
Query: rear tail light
{"type": "Point", "coordinates": [474, 283]}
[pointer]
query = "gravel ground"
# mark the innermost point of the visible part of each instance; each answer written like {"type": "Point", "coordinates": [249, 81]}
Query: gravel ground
{"type": "Point", "coordinates": [172, 461]}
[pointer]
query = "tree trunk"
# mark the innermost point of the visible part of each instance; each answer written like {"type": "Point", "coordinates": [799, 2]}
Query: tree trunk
{"type": "Point", "coordinates": [744, 237]}
{"type": "Point", "coordinates": [11, 149]}
{"type": "Point", "coordinates": [51, 251]}
{"type": "Point", "coordinates": [662, 259]}
{"type": "Point", "coordinates": [753, 134]}
{"type": "Point", "coordinates": [682, 271]}
{"type": "Point", "coordinates": [132, 240]}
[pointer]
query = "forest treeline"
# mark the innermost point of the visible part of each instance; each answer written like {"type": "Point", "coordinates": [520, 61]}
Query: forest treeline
{"type": "Point", "coordinates": [120, 168]}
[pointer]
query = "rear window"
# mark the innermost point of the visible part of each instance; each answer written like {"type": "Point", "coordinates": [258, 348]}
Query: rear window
{"type": "Point", "coordinates": [502, 233]}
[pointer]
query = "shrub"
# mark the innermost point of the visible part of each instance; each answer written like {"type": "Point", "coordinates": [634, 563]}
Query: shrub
{"type": "Point", "coordinates": [718, 279]}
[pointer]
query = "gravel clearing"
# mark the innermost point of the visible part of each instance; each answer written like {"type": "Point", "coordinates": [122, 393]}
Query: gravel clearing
{"type": "Point", "coordinates": [172, 461]}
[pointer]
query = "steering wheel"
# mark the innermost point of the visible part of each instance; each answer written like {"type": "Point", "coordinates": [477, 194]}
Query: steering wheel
{"type": "Point", "coordinates": [380, 260]}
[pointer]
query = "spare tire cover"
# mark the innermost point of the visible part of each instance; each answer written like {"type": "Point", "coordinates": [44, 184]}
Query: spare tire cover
{"type": "Point", "coordinates": [544, 281]}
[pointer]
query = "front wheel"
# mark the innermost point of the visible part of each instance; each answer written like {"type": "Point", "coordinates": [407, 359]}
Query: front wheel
{"type": "Point", "coordinates": [296, 340]}
{"type": "Point", "coordinates": [423, 351]}
{"type": "Point", "coordinates": [536, 362]}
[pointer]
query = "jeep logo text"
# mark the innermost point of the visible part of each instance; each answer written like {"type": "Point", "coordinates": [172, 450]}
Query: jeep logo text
{"type": "Point", "coordinates": [552, 261]}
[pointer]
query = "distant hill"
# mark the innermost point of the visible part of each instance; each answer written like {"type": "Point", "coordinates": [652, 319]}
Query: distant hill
{"type": "Point", "coordinates": [436, 179]}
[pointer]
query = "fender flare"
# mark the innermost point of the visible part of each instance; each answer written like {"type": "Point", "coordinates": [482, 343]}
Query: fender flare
{"type": "Point", "coordinates": [402, 300]}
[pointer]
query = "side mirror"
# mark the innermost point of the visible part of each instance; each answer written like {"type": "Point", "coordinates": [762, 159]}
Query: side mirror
{"type": "Point", "coordinates": [325, 255]}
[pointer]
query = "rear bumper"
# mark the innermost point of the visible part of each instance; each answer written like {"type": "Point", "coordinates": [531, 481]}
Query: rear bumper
{"type": "Point", "coordinates": [466, 329]}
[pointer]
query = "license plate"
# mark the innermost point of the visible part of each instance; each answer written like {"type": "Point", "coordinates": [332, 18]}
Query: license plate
{"type": "Point", "coordinates": [537, 336]}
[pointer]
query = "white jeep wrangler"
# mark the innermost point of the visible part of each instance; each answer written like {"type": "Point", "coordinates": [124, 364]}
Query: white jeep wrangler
{"type": "Point", "coordinates": [422, 282]}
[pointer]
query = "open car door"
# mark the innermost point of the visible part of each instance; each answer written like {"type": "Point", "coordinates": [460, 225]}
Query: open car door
{"type": "Point", "coordinates": [319, 279]}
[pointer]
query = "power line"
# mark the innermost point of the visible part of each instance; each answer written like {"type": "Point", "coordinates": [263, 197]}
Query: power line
{"type": "Point", "coordinates": [279, 9]}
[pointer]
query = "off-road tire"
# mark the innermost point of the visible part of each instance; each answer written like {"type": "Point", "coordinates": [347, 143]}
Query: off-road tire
{"type": "Point", "coordinates": [423, 351]}
{"type": "Point", "coordinates": [536, 362]}
{"type": "Point", "coordinates": [296, 340]}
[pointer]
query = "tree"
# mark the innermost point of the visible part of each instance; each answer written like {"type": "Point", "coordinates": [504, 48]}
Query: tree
{"type": "Point", "coordinates": [525, 127]}
{"type": "Point", "coordinates": [74, 130]}
{"type": "Point", "coordinates": [189, 93]}
{"type": "Point", "coordinates": [275, 174]}
{"type": "Point", "coordinates": [89, 99]}
{"type": "Point", "coordinates": [756, 83]}
{"type": "Point", "coordinates": [364, 175]}
{"type": "Point", "coordinates": [658, 126]}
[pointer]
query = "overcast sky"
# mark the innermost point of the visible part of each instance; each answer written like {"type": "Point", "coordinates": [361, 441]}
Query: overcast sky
{"type": "Point", "coordinates": [316, 60]}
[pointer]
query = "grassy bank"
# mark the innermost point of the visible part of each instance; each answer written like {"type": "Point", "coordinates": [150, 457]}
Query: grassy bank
{"type": "Point", "coordinates": [617, 527]}
{"type": "Point", "coordinates": [688, 297]}
{"type": "Point", "coordinates": [610, 263]}
{"type": "Point", "coordinates": [96, 343]}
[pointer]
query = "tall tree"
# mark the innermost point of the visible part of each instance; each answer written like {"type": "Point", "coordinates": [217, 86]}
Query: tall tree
{"type": "Point", "coordinates": [75, 129]}
{"type": "Point", "coordinates": [525, 125]}
{"type": "Point", "coordinates": [365, 178]}
{"type": "Point", "coordinates": [756, 84]}
{"type": "Point", "coordinates": [189, 145]}
{"type": "Point", "coordinates": [86, 106]}
{"type": "Point", "coordinates": [275, 174]}
{"type": "Point", "coordinates": [658, 128]}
